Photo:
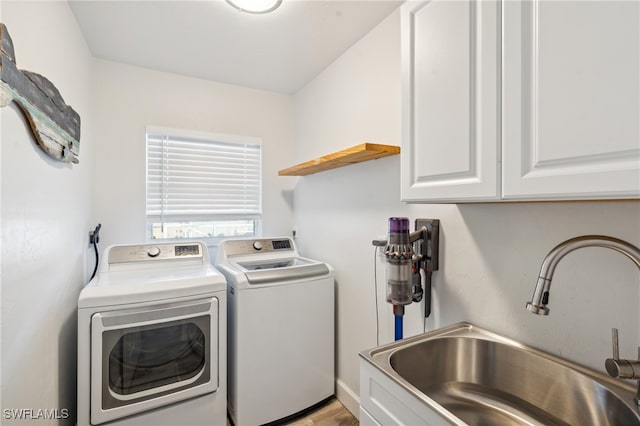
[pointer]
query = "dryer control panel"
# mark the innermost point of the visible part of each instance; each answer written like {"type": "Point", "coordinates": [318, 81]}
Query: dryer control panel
{"type": "Point", "coordinates": [155, 252]}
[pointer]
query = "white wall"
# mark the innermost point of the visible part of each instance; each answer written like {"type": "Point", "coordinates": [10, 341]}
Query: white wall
{"type": "Point", "coordinates": [490, 253]}
{"type": "Point", "coordinates": [45, 212]}
{"type": "Point", "coordinates": [128, 98]}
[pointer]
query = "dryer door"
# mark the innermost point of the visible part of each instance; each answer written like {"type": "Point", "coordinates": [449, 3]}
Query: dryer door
{"type": "Point", "coordinates": [149, 357]}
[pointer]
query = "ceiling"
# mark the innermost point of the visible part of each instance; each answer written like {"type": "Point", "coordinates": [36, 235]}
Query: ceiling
{"type": "Point", "coordinates": [279, 52]}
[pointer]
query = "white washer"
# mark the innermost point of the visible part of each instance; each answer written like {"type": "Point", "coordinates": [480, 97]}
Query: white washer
{"type": "Point", "coordinates": [152, 338]}
{"type": "Point", "coordinates": [281, 329]}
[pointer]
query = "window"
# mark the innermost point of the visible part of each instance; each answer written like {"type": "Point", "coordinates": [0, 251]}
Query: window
{"type": "Point", "coordinates": [202, 186]}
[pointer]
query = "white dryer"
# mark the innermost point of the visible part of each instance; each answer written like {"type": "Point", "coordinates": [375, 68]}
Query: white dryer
{"type": "Point", "coordinates": [152, 338]}
{"type": "Point", "coordinates": [281, 329]}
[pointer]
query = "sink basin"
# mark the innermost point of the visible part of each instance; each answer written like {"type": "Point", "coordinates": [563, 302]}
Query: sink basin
{"type": "Point", "coordinates": [472, 376]}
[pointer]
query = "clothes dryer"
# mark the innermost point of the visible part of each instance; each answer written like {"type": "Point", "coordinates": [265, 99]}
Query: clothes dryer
{"type": "Point", "coordinates": [152, 338]}
{"type": "Point", "coordinates": [281, 329]}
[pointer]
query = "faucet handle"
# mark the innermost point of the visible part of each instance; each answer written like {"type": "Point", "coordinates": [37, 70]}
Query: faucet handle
{"type": "Point", "coordinates": [614, 341]}
{"type": "Point", "coordinates": [621, 368]}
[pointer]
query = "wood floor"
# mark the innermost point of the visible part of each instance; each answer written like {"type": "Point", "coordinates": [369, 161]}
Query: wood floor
{"type": "Point", "coordinates": [332, 413]}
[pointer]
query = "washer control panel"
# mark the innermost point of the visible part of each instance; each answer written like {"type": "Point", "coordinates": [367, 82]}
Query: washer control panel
{"type": "Point", "coordinates": [267, 245]}
{"type": "Point", "coordinates": [155, 252]}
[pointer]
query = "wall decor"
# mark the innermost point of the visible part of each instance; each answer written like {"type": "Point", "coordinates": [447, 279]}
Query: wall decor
{"type": "Point", "coordinates": [55, 125]}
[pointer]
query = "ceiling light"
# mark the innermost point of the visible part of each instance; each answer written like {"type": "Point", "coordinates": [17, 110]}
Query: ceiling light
{"type": "Point", "coordinates": [255, 6]}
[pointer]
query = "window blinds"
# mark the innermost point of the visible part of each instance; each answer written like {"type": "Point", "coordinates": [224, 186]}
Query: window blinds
{"type": "Point", "coordinates": [200, 179]}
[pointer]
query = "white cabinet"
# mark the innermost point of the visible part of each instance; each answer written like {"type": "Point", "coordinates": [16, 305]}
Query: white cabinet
{"type": "Point", "coordinates": [520, 100]}
{"type": "Point", "coordinates": [385, 402]}
{"type": "Point", "coordinates": [450, 65]}
{"type": "Point", "coordinates": [571, 99]}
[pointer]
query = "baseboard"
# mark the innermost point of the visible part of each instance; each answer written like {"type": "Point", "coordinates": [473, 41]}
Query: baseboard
{"type": "Point", "coordinates": [348, 398]}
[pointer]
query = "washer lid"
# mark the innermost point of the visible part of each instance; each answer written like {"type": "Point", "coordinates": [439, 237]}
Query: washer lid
{"type": "Point", "coordinates": [286, 273]}
{"type": "Point", "coordinates": [275, 263]}
{"type": "Point", "coordinates": [279, 270]}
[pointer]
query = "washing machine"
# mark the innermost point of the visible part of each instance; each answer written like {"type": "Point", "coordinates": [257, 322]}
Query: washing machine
{"type": "Point", "coordinates": [281, 329]}
{"type": "Point", "coordinates": [152, 338]}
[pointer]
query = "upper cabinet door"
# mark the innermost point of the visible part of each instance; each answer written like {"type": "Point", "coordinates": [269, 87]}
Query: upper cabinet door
{"type": "Point", "coordinates": [450, 77]}
{"type": "Point", "coordinates": [571, 99]}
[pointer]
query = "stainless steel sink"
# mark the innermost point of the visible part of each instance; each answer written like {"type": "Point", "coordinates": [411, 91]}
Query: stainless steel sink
{"type": "Point", "coordinates": [468, 374]}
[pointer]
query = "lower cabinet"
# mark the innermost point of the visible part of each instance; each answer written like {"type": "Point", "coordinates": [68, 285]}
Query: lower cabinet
{"type": "Point", "coordinates": [367, 419]}
{"type": "Point", "coordinates": [384, 402]}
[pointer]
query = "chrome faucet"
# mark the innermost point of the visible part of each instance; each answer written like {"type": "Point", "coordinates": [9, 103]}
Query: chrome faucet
{"type": "Point", "coordinates": [619, 368]}
{"type": "Point", "coordinates": [538, 303]}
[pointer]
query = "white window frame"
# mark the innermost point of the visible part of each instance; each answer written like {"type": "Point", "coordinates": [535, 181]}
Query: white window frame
{"type": "Point", "coordinates": [201, 137]}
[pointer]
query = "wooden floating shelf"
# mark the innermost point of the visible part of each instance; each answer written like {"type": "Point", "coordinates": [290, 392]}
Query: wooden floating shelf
{"type": "Point", "coordinates": [355, 154]}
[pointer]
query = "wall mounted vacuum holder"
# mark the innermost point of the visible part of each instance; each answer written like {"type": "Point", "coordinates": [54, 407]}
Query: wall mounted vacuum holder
{"type": "Point", "coordinates": [428, 246]}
